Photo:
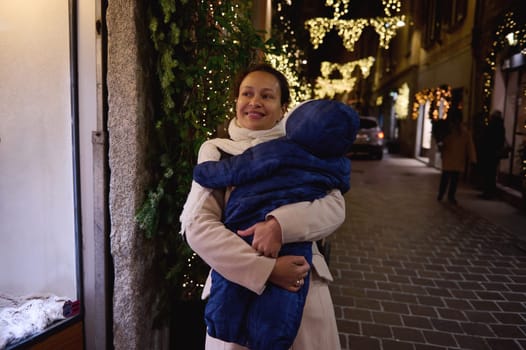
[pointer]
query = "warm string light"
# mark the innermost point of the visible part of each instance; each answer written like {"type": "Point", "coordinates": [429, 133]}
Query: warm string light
{"type": "Point", "coordinates": [298, 92]}
{"type": "Point", "coordinates": [288, 57]}
{"type": "Point", "coordinates": [213, 78]}
{"type": "Point", "coordinates": [189, 284]}
{"type": "Point", "coordinates": [209, 82]}
{"type": "Point", "coordinates": [328, 87]}
{"type": "Point", "coordinates": [347, 69]}
{"type": "Point", "coordinates": [509, 25]}
{"type": "Point", "coordinates": [386, 28]}
{"type": "Point", "coordinates": [401, 105]}
{"type": "Point", "coordinates": [513, 35]}
{"type": "Point", "coordinates": [351, 30]}
{"type": "Point", "coordinates": [317, 28]}
{"type": "Point", "coordinates": [391, 7]}
{"type": "Point", "coordinates": [340, 7]}
{"type": "Point", "coordinates": [438, 98]}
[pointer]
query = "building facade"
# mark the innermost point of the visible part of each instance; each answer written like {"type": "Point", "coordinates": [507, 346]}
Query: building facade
{"type": "Point", "coordinates": [465, 54]}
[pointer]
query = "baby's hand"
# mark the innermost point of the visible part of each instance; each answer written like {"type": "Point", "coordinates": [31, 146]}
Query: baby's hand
{"type": "Point", "coordinates": [267, 237]}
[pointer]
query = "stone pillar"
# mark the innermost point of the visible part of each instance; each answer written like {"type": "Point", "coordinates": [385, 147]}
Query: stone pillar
{"type": "Point", "coordinates": [128, 112]}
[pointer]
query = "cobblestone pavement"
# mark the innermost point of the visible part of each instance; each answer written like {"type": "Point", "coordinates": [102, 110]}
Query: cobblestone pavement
{"type": "Point", "coordinates": [414, 273]}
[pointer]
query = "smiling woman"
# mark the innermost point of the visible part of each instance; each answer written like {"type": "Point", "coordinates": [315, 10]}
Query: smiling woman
{"type": "Point", "coordinates": [260, 104]}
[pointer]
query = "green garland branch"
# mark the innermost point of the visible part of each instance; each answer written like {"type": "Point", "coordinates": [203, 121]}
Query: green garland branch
{"type": "Point", "coordinates": [199, 47]}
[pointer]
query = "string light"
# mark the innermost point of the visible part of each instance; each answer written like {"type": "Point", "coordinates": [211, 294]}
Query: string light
{"type": "Point", "coordinates": [298, 92]}
{"type": "Point", "coordinates": [317, 28]}
{"type": "Point", "coordinates": [386, 28]}
{"type": "Point", "coordinates": [391, 7]}
{"type": "Point", "coordinates": [401, 105]}
{"type": "Point", "coordinates": [330, 87]}
{"type": "Point", "coordinates": [351, 30]}
{"type": "Point", "coordinates": [438, 99]}
{"type": "Point", "coordinates": [509, 25]}
{"type": "Point", "coordinates": [327, 87]}
{"type": "Point", "coordinates": [347, 69]}
{"type": "Point", "coordinates": [340, 7]}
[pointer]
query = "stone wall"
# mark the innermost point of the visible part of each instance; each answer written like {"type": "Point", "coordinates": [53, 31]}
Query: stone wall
{"type": "Point", "coordinates": [128, 114]}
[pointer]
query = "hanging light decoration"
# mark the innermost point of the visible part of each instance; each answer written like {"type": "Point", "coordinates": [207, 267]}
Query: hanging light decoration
{"type": "Point", "coordinates": [351, 30]}
{"type": "Point", "coordinates": [340, 7]}
{"type": "Point", "coordinates": [347, 69]}
{"type": "Point", "coordinates": [386, 28]}
{"type": "Point", "coordinates": [328, 87]}
{"type": "Point", "coordinates": [391, 7]}
{"type": "Point", "coordinates": [317, 28]}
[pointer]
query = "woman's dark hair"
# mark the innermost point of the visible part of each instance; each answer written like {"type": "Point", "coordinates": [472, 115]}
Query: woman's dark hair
{"type": "Point", "coordinates": [265, 67]}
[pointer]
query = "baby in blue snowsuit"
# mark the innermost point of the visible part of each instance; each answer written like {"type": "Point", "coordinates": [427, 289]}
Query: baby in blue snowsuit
{"type": "Point", "coordinates": [301, 166]}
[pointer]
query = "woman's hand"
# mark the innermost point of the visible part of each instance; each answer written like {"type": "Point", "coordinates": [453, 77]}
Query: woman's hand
{"type": "Point", "coordinates": [289, 272]}
{"type": "Point", "coordinates": [267, 237]}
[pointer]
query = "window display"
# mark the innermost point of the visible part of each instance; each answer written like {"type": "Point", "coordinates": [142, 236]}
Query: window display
{"type": "Point", "coordinates": [39, 262]}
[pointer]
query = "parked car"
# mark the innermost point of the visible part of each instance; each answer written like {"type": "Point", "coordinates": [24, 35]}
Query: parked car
{"type": "Point", "coordinates": [369, 139]}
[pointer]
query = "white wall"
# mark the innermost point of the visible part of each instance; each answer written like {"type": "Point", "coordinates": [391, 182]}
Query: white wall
{"type": "Point", "coordinates": [37, 234]}
{"type": "Point", "coordinates": [453, 70]}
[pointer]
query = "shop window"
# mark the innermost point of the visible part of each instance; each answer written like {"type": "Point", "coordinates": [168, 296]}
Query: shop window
{"type": "Point", "coordinates": [433, 23]}
{"type": "Point", "coordinates": [430, 109]}
{"type": "Point", "coordinates": [515, 125]}
{"type": "Point", "coordinates": [39, 231]}
{"type": "Point", "coordinates": [447, 15]}
{"type": "Point", "coordinates": [454, 14]}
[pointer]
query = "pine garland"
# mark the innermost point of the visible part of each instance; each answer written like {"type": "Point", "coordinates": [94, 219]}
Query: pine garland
{"type": "Point", "coordinates": [199, 47]}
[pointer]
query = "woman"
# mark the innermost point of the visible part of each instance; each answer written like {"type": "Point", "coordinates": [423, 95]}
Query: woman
{"type": "Point", "coordinates": [262, 99]}
{"type": "Point", "coordinates": [456, 149]}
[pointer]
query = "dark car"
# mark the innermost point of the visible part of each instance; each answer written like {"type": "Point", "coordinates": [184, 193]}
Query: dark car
{"type": "Point", "coordinates": [369, 139]}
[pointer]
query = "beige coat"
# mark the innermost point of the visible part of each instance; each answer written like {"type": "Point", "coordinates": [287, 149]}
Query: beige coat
{"type": "Point", "coordinates": [237, 261]}
{"type": "Point", "coordinates": [223, 250]}
{"type": "Point", "coordinates": [458, 148]}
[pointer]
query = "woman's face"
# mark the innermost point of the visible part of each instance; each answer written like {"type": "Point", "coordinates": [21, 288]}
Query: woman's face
{"type": "Point", "coordinates": [258, 105]}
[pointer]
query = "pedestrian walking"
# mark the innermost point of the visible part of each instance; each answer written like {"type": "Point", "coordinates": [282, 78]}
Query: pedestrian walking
{"type": "Point", "coordinates": [457, 148]}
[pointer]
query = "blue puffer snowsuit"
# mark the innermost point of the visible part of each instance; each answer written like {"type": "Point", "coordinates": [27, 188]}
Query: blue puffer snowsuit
{"type": "Point", "coordinates": [302, 166]}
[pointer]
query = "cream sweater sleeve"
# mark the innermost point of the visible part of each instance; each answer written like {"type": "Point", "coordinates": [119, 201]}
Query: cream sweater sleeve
{"type": "Point", "coordinates": [311, 221]}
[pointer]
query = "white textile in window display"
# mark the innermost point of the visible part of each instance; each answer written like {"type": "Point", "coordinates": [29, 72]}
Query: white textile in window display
{"type": "Point", "coordinates": [22, 317]}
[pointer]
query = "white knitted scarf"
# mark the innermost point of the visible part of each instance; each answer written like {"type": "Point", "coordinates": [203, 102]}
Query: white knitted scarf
{"type": "Point", "coordinates": [240, 140]}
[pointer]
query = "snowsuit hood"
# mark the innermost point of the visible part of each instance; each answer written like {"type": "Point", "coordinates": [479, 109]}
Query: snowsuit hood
{"type": "Point", "coordinates": [325, 128]}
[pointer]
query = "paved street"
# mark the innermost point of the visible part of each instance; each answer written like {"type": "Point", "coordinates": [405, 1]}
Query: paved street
{"type": "Point", "coordinates": [414, 273]}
